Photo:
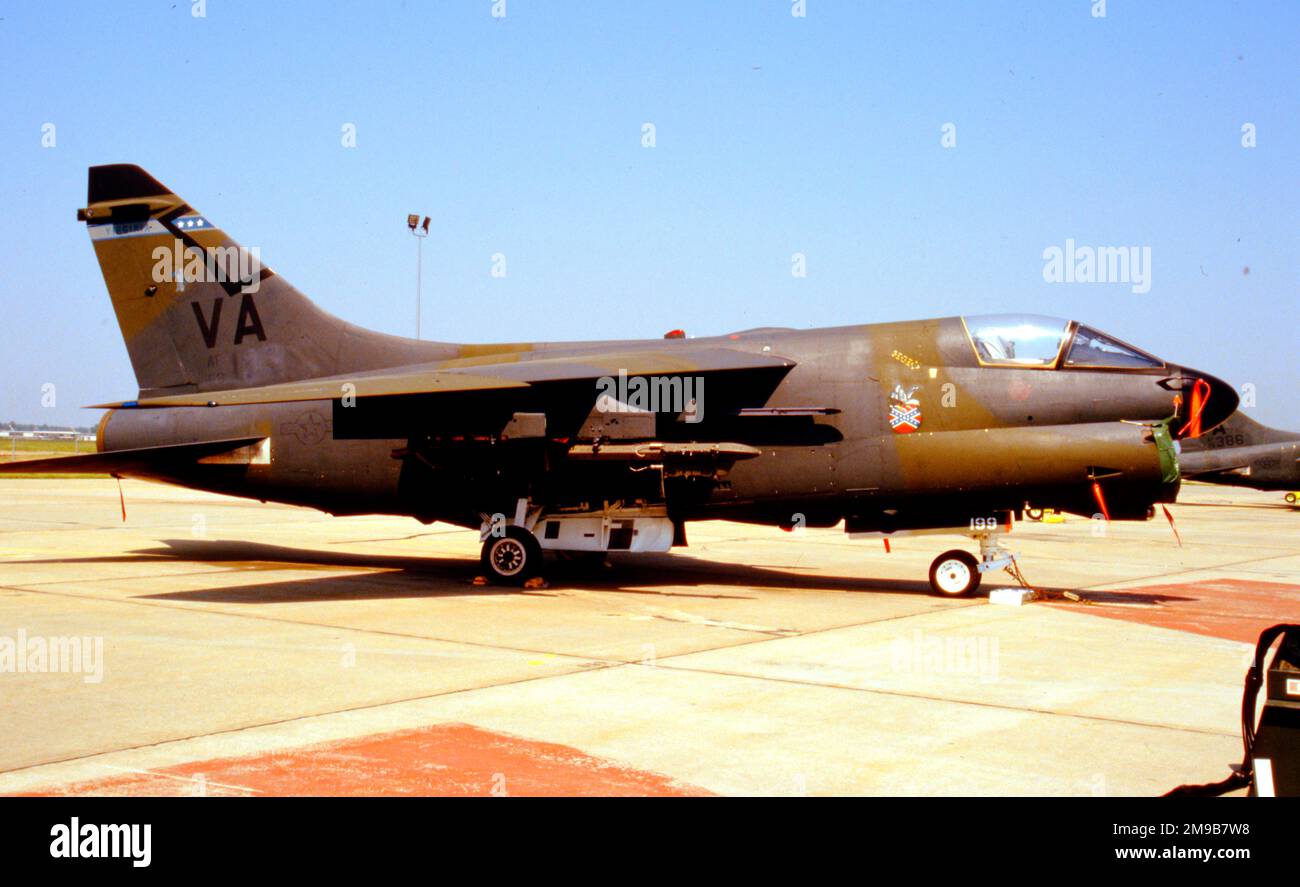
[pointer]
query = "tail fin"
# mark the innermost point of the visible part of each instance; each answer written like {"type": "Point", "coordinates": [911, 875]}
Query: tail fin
{"type": "Point", "coordinates": [199, 312]}
{"type": "Point", "coordinates": [1239, 430]}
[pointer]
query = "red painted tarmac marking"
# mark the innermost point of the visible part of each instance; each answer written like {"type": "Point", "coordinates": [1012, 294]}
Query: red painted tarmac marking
{"type": "Point", "coordinates": [443, 760]}
{"type": "Point", "coordinates": [1235, 609]}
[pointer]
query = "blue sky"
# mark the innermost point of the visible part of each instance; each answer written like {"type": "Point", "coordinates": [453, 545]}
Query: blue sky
{"type": "Point", "coordinates": [774, 135]}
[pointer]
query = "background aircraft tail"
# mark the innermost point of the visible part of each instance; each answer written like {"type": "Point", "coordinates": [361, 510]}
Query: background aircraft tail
{"type": "Point", "coordinates": [1239, 430]}
{"type": "Point", "coordinates": [199, 312]}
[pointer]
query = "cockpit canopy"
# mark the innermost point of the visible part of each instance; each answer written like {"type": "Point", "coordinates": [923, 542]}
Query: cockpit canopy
{"type": "Point", "coordinates": [1024, 340]}
{"type": "Point", "coordinates": [1036, 341]}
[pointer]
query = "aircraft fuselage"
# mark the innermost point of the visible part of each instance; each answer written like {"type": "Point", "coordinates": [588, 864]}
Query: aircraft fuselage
{"type": "Point", "coordinates": [907, 426]}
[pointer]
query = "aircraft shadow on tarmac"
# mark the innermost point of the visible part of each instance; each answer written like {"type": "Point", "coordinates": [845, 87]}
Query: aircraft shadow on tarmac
{"type": "Point", "coordinates": [440, 576]}
{"type": "Point", "coordinates": [403, 576]}
{"type": "Point", "coordinates": [431, 577]}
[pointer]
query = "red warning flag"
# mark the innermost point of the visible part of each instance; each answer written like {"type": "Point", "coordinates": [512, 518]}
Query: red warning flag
{"type": "Point", "coordinates": [1101, 500]}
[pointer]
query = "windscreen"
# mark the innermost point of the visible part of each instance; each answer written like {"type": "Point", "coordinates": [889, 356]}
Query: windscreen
{"type": "Point", "coordinates": [1093, 349]}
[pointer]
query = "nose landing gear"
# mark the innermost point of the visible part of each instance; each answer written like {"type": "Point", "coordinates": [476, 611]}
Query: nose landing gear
{"type": "Point", "coordinates": [957, 573]}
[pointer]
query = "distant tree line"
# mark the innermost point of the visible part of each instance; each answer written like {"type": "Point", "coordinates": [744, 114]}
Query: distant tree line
{"type": "Point", "coordinates": [27, 426]}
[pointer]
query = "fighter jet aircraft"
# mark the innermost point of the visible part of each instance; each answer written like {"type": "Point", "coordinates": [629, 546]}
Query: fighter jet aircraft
{"type": "Point", "coordinates": [1244, 453]}
{"type": "Point", "coordinates": [247, 388]}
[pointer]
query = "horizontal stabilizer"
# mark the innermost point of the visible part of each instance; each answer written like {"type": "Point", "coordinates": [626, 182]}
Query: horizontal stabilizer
{"type": "Point", "coordinates": [142, 462]}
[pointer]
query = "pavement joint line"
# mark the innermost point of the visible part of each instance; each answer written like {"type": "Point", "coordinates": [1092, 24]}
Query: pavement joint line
{"type": "Point", "coordinates": [1100, 586]}
{"type": "Point", "coordinates": [713, 623]}
{"type": "Point", "coordinates": [189, 779]}
{"type": "Point", "coordinates": [875, 691]}
{"type": "Point", "coordinates": [200, 609]}
{"type": "Point", "coordinates": [812, 632]}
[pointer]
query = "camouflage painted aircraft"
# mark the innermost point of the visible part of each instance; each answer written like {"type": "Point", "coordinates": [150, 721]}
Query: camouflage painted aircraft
{"type": "Point", "coordinates": [1243, 453]}
{"type": "Point", "coordinates": [951, 424]}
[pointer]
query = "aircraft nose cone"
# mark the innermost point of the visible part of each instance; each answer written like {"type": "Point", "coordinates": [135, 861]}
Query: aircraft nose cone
{"type": "Point", "coordinates": [1207, 402]}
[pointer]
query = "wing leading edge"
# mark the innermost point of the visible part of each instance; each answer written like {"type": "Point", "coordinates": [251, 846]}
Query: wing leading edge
{"type": "Point", "coordinates": [469, 377]}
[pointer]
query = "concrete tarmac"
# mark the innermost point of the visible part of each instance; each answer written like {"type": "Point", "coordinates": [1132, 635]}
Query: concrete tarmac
{"type": "Point", "coordinates": [211, 645]}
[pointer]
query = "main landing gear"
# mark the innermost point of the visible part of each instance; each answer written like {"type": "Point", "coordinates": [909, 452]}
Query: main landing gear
{"type": "Point", "coordinates": [957, 573]}
{"type": "Point", "coordinates": [513, 557]}
{"type": "Point", "coordinates": [513, 546]}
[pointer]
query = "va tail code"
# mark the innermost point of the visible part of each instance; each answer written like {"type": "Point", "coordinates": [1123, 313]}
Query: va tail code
{"type": "Point", "coordinates": [248, 323]}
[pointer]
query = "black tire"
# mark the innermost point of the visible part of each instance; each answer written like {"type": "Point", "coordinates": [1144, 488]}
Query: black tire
{"type": "Point", "coordinates": [511, 559]}
{"type": "Point", "coordinates": [955, 573]}
{"type": "Point", "coordinates": [1034, 513]}
{"type": "Point", "coordinates": [1290, 498]}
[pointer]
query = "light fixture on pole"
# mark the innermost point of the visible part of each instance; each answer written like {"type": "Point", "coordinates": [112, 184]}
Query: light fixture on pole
{"type": "Point", "coordinates": [420, 231]}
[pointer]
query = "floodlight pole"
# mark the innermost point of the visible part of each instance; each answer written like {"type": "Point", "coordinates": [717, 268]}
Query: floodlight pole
{"type": "Point", "coordinates": [413, 223]}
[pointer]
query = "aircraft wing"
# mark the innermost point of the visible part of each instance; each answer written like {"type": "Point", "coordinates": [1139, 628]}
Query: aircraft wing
{"type": "Point", "coordinates": [1192, 471]}
{"type": "Point", "coordinates": [145, 461]}
{"type": "Point", "coordinates": [1222, 461]}
{"type": "Point", "coordinates": [475, 375]}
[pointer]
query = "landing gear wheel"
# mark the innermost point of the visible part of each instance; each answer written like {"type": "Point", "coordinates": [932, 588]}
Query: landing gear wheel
{"type": "Point", "coordinates": [1290, 498]}
{"type": "Point", "coordinates": [955, 574]}
{"type": "Point", "coordinates": [1034, 513]}
{"type": "Point", "coordinates": [513, 558]}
